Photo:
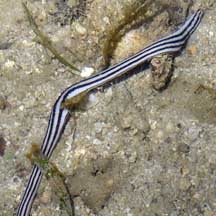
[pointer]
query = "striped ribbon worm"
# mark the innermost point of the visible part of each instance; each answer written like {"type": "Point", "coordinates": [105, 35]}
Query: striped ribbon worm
{"type": "Point", "coordinates": [59, 114]}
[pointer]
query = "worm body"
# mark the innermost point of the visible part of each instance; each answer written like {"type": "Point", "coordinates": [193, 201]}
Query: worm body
{"type": "Point", "coordinates": [59, 115]}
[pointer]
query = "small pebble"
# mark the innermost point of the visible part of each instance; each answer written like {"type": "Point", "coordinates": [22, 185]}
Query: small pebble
{"type": "Point", "coordinates": [2, 145]}
{"type": "Point", "coordinates": [98, 127]}
{"type": "Point", "coordinates": [87, 72]}
{"type": "Point", "coordinates": [184, 184]}
{"type": "Point", "coordinates": [126, 122]}
{"type": "Point", "coordinates": [184, 148]}
{"type": "Point", "coordinates": [96, 142]}
{"type": "Point", "coordinates": [3, 103]}
{"type": "Point", "coordinates": [174, 213]}
{"type": "Point", "coordinates": [46, 197]}
{"type": "Point", "coordinates": [9, 64]}
{"type": "Point", "coordinates": [5, 45]}
{"type": "Point", "coordinates": [109, 92]}
{"type": "Point", "coordinates": [92, 99]}
{"type": "Point", "coordinates": [211, 33]}
{"type": "Point", "coordinates": [160, 135]}
{"type": "Point", "coordinates": [79, 28]}
{"type": "Point", "coordinates": [109, 182]}
{"type": "Point", "coordinates": [71, 3]}
{"type": "Point", "coordinates": [21, 107]}
{"type": "Point", "coordinates": [79, 152]}
{"type": "Point", "coordinates": [192, 50]}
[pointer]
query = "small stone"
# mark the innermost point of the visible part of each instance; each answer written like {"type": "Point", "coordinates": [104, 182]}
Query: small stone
{"type": "Point", "coordinates": [184, 184]}
{"type": "Point", "coordinates": [109, 182]}
{"type": "Point", "coordinates": [132, 156]}
{"type": "Point", "coordinates": [193, 133]}
{"type": "Point", "coordinates": [2, 145]}
{"type": "Point", "coordinates": [3, 103]}
{"type": "Point", "coordinates": [174, 213]}
{"type": "Point", "coordinates": [162, 70]}
{"type": "Point", "coordinates": [92, 99]}
{"type": "Point", "coordinates": [160, 134]}
{"type": "Point", "coordinates": [79, 152]}
{"type": "Point", "coordinates": [126, 122]}
{"type": "Point", "coordinates": [211, 33]}
{"type": "Point", "coordinates": [5, 45]}
{"type": "Point", "coordinates": [9, 64]}
{"type": "Point", "coordinates": [106, 20]}
{"type": "Point", "coordinates": [71, 3]}
{"type": "Point", "coordinates": [27, 43]}
{"type": "Point", "coordinates": [192, 50]}
{"type": "Point", "coordinates": [98, 127]}
{"type": "Point", "coordinates": [79, 28]}
{"type": "Point", "coordinates": [21, 107]}
{"type": "Point", "coordinates": [169, 127]}
{"type": "Point", "coordinates": [87, 72]}
{"type": "Point", "coordinates": [46, 197]}
{"type": "Point", "coordinates": [96, 142]}
{"type": "Point", "coordinates": [184, 148]}
{"type": "Point", "coordinates": [42, 16]}
{"type": "Point", "coordinates": [109, 93]}
{"type": "Point", "coordinates": [185, 171]}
